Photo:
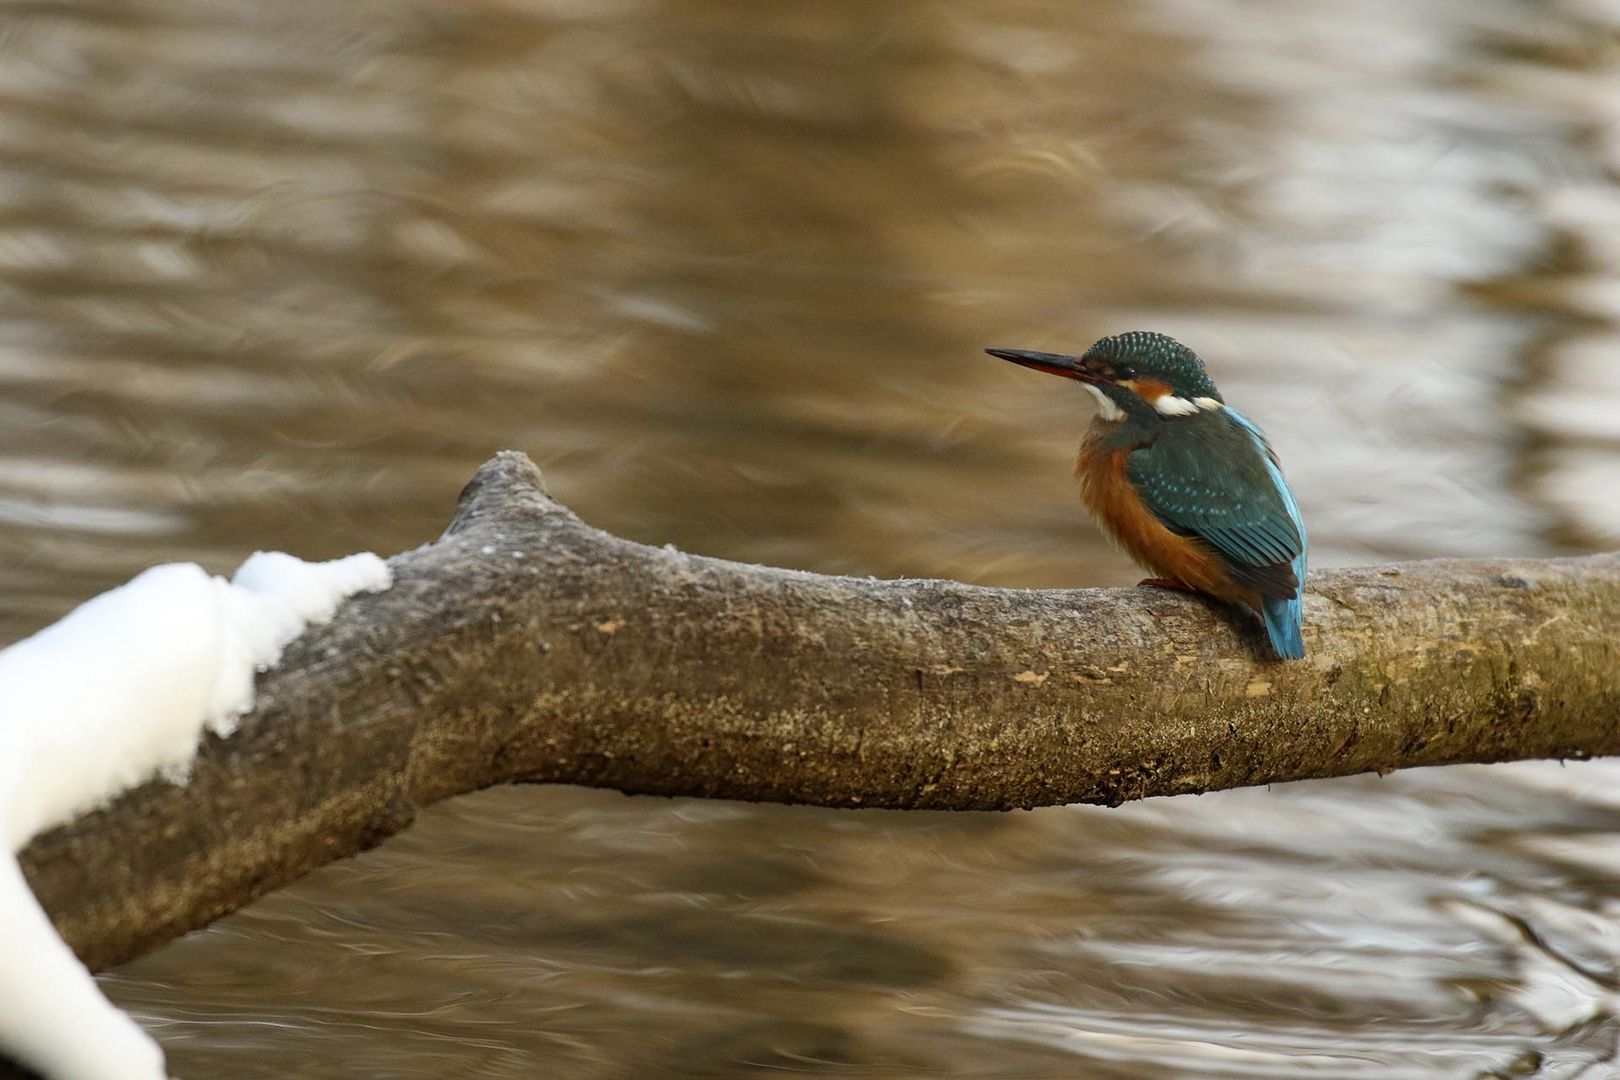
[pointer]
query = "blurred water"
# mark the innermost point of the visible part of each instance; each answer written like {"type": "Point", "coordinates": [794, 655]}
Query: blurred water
{"type": "Point", "coordinates": [282, 274]}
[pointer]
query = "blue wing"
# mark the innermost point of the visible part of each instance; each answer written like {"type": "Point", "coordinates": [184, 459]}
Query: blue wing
{"type": "Point", "coordinates": [1214, 477]}
{"type": "Point", "coordinates": [1284, 616]}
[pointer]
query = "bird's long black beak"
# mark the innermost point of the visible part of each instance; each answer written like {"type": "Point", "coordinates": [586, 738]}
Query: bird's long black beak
{"type": "Point", "coordinates": [1070, 367]}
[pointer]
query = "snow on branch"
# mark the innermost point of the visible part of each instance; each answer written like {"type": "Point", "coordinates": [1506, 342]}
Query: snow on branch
{"type": "Point", "coordinates": [525, 646]}
{"type": "Point", "coordinates": [114, 695]}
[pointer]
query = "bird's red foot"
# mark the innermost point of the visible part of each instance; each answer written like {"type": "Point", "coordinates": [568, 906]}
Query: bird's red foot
{"type": "Point", "coordinates": [1166, 583]}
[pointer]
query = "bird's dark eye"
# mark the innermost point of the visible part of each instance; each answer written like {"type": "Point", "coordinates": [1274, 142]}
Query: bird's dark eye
{"type": "Point", "coordinates": [1124, 371]}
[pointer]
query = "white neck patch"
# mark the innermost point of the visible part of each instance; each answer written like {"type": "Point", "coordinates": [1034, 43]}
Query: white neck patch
{"type": "Point", "coordinates": [1170, 405]}
{"type": "Point", "coordinates": [1105, 404]}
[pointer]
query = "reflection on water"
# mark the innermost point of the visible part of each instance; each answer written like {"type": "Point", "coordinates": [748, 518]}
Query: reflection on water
{"type": "Point", "coordinates": [283, 274]}
{"type": "Point", "coordinates": [1437, 924]}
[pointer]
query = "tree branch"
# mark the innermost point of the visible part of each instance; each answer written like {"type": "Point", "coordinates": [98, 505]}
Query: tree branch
{"type": "Point", "coordinates": [526, 646]}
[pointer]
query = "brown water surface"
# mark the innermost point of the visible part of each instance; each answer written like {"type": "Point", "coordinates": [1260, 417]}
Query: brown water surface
{"type": "Point", "coordinates": [281, 274]}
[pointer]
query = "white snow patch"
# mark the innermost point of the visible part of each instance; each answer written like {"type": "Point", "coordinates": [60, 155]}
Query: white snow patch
{"type": "Point", "coordinates": [117, 693]}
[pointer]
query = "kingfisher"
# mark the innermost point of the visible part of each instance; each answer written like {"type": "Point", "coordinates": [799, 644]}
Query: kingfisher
{"type": "Point", "coordinates": [1185, 483]}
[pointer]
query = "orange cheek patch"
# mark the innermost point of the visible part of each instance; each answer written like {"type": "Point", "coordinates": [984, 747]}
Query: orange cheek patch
{"type": "Point", "coordinates": [1149, 390]}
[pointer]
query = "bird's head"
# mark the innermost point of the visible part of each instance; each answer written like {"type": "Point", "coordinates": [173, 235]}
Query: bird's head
{"type": "Point", "coordinates": [1139, 373]}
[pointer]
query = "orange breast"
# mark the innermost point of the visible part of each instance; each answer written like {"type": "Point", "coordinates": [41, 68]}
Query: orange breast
{"type": "Point", "coordinates": [1109, 496]}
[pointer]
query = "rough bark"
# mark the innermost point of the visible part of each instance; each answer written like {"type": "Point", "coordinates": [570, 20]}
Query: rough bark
{"type": "Point", "coordinates": [527, 646]}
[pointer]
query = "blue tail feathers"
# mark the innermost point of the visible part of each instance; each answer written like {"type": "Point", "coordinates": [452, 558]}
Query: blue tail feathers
{"type": "Point", "coordinates": [1284, 621]}
{"type": "Point", "coordinates": [1285, 616]}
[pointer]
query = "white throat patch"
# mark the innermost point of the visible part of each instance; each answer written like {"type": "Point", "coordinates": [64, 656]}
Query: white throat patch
{"type": "Point", "coordinates": [1105, 404]}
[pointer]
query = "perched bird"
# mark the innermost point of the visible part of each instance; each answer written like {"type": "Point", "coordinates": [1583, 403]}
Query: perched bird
{"type": "Point", "coordinates": [1184, 482]}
